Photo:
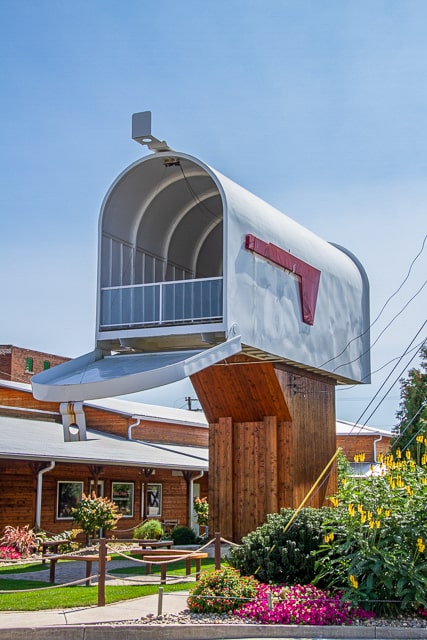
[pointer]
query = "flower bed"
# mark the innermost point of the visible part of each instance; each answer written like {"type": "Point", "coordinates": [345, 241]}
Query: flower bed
{"type": "Point", "coordinates": [300, 605]}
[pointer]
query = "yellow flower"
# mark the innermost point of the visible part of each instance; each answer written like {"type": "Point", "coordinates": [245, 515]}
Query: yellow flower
{"type": "Point", "coordinates": [420, 545]}
{"type": "Point", "coordinates": [398, 453]}
{"type": "Point", "coordinates": [424, 480]}
{"type": "Point", "coordinates": [380, 458]}
{"type": "Point", "coordinates": [370, 515]}
{"type": "Point", "coordinates": [360, 508]}
{"type": "Point", "coordinates": [334, 501]}
{"type": "Point", "coordinates": [379, 511]}
{"type": "Point", "coordinates": [377, 524]}
{"type": "Point", "coordinates": [354, 583]}
{"type": "Point", "coordinates": [409, 490]}
{"type": "Point", "coordinates": [408, 454]}
{"type": "Point", "coordinates": [351, 509]}
{"type": "Point", "coordinates": [420, 439]}
{"type": "Point", "coordinates": [371, 524]}
{"type": "Point", "coordinates": [344, 481]}
{"type": "Point", "coordinates": [387, 513]}
{"type": "Point", "coordinates": [363, 518]}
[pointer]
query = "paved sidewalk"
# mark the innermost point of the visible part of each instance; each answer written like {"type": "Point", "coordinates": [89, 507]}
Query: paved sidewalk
{"type": "Point", "coordinates": [118, 611]}
{"type": "Point", "coordinates": [126, 610]}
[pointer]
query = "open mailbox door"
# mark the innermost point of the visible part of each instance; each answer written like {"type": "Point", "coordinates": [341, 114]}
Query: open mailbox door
{"type": "Point", "coordinates": [94, 376]}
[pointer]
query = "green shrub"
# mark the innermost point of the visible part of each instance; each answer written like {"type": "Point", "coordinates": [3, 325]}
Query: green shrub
{"type": "Point", "coordinates": [69, 536]}
{"type": "Point", "coordinates": [375, 538]}
{"type": "Point", "coordinates": [273, 555]}
{"type": "Point", "coordinates": [221, 591]}
{"type": "Point", "coordinates": [183, 535]}
{"type": "Point", "coordinates": [149, 530]}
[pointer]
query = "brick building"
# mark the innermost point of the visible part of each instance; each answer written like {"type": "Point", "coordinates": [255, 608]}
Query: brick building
{"type": "Point", "coordinates": [20, 364]}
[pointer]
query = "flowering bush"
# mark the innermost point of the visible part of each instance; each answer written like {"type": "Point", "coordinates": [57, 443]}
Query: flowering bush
{"type": "Point", "coordinates": [9, 553]}
{"type": "Point", "coordinates": [22, 539]}
{"type": "Point", "coordinates": [299, 605]}
{"type": "Point", "coordinates": [201, 507]}
{"type": "Point", "coordinates": [94, 513]}
{"type": "Point", "coordinates": [220, 591]}
{"type": "Point", "coordinates": [375, 538]}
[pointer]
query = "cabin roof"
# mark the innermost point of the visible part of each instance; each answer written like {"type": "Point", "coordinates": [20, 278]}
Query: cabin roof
{"type": "Point", "coordinates": [345, 428]}
{"type": "Point", "coordinates": [23, 439]}
{"type": "Point", "coordinates": [153, 412]}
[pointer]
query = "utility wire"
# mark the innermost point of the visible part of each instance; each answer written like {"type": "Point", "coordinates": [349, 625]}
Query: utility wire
{"type": "Point", "coordinates": [383, 307]}
{"type": "Point", "coordinates": [353, 386]}
{"type": "Point", "coordinates": [385, 328]}
{"type": "Point", "coordinates": [391, 372]}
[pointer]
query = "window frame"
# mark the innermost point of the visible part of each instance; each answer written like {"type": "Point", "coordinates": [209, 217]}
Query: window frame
{"type": "Point", "coordinates": [151, 508]}
{"type": "Point", "coordinates": [119, 501]}
{"type": "Point", "coordinates": [58, 496]}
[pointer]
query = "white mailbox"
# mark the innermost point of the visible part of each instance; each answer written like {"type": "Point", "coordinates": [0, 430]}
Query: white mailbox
{"type": "Point", "coordinates": [193, 268]}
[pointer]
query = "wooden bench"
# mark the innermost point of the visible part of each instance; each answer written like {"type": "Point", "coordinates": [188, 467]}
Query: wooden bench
{"type": "Point", "coordinates": [166, 556]}
{"type": "Point", "coordinates": [64, 556]}
{"type": "Point", "coordinates": [155, 544]}
{"type": "Point", "coordinates": [51, 544]}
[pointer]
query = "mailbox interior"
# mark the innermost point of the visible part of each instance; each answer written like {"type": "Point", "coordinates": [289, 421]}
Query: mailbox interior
{"type": "Point", "coordinates": [160, 271]}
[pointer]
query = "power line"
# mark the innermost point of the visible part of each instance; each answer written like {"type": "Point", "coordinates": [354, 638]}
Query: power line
{"type": "Point", "coordinates": [383, 307]}
{"type": "Point", "coordinates": [384, 330]}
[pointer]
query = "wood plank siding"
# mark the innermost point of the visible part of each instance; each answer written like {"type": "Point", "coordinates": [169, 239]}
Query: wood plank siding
{"type": "Point", "coordinates": [272, 431]}
{"type": "Point", "coordinates": [18, 507]}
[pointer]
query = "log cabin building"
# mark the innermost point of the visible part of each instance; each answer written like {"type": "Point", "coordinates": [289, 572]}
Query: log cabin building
{"type": "Point", "coordinates": [152, 461]}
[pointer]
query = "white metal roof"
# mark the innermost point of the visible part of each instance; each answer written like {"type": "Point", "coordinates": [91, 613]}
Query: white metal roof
{"type": "Point", "coordinates": [133, 408]}
{"type": "Point", "coordinates": [22, 439]}
{"type": "Point", "coordinates": [344, 428]}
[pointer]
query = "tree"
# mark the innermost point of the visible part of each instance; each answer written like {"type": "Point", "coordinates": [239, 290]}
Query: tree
{"type": "Point", "coordinates": [411, 431]}
{"type": "Point", "coordinates": [94, 513]}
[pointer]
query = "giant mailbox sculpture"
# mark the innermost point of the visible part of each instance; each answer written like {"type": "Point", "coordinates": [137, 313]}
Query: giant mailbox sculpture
{"type": "Point", "coordinates": [199, 277]}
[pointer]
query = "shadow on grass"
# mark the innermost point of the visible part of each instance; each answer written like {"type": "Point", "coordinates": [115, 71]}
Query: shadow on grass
{"type": "Point", "coordinates": [176, 568]}
{"type": "Point", "coordinates": [22, 568]}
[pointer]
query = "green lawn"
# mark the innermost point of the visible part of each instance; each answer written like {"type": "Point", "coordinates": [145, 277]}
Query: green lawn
{"type": "Point", "coordinates": [80, 595]}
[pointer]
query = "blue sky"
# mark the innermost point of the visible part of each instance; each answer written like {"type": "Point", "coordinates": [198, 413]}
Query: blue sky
{"type": "Point", "coordinates": [318, 107]}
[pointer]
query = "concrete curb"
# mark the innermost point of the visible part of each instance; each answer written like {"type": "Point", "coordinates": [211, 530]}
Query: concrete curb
{"type": "Point", "coordinates": [209, 632]}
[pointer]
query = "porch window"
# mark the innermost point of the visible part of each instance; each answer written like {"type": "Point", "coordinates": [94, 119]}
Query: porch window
{"type": "Point", "coordinates": [122, 496]}
{"type": "Point", "coordinates": [69, 494]}
{"type": "Point", "coordinates": [153, 500]}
